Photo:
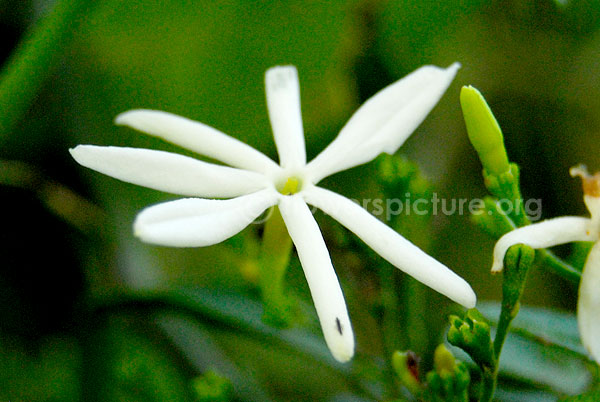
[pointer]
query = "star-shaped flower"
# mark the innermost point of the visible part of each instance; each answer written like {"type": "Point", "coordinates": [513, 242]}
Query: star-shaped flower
{"type": "Point", "coordinates": [254, 183]}
{"type": "Point", "coordinates": [567, 229]}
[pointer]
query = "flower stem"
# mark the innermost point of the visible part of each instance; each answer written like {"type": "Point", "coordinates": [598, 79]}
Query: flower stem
{"type": "Point", "coordinates": [488, 383]}
{"type": "Point", "coordinates": [517, 263]}
{"type": "Point", "coordinates": [33, 60]}
{"type": "Point", "coordinates": [560, 267]}
{"type": "Point", "coordinates": [274, 259]}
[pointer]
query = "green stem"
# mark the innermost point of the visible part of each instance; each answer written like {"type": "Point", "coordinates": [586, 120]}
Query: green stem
{"type": "Point", "coordinates": [393, 334]}
{"type": "Point", "coordinates": [489, 380]}
{"type": "Point", "coordinates": [560, 267]}
{"type": "Point", "coordinates": [33, 60]}
{"type": "Point", "coordinates": [517, 262]}
{"type": "Point", "coordinates": [274, 259]}
{"type": "Point", "coordinates": [507, 314]}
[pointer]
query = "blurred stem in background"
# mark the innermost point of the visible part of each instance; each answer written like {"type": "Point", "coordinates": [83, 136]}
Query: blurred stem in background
{"type": "Point", "coordinates": [279, 307]}
{"type": "Point", "coordinates": [403, 299]}
{"type": "Point", "coordinates": [61, 200]}
{"type": "Point", "coordinates": [35, 58]}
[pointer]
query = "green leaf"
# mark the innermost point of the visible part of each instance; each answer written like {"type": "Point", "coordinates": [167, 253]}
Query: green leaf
{"type": "Point", "coordinates": [195, 341]}
{"type": "Point", "coordinates": [543, 350]}
{"type": "Point", "coordinates": [590, 396]}
{"type": "Point", "coordinates": [50, 373]}
{"type": "Point", "coordinates": [543, 365]}
{"type": "Point", "coordinates": [233, 310]}
{"type": "Point", "coordinates": [544, 325]}
{"type": "Point", "coordinates": [125, 362]}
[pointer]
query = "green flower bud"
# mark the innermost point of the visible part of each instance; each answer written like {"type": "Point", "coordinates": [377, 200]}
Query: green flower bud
{"type": "Point", "coordinates": [472, 334]}
{"type": "Point", "coordinates": [406, 366]}
{"type": "Point", "coordinates": [484, 132]}
{"type": "Point", "coordinates": [443, 359]}
{"type": "Point", "coordinates": [450, 380]}
{"type": "Point", "coordinates": [212, 387]}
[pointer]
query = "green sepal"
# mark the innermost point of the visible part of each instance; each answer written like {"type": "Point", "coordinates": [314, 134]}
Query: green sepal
{"type": "Point", "coordinates": [483, 130]}
{"type": "Point", "coordinates": [519, 258]}
{"type": "Point", "coordinates": [450, 379]}
{"type": "Point", "coordinates": [399, 175]}
{"type": "Point", "coordinates": [492, 219]}
{"type": "Point", "coordinates": [506, 187]}
{"type": "Point", "coordinates": [472, 334]}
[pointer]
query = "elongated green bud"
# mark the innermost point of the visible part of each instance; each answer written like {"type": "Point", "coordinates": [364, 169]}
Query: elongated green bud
{"type": "Point", "coordinates": [484, 132]}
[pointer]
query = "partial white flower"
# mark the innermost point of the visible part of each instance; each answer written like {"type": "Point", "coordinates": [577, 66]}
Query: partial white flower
{"type": "Point", "coordinates": [563, 230]}
{"type": "Point", "coordinates": [254, 183]}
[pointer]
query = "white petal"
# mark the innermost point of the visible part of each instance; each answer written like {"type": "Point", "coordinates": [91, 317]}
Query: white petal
{"type": "Point", "coordinates": [283, 102]}
{"type": "Point", "coordinates": [385, 121]}
{"type": "Point", "coordinates": [390, 245]}
{"type": "Point", "coordinates": [197, 137]}
{"type": "Point", "coordinates": [165, 171]}
{"type": "Point", "coordinates": [544, 234]}
{"type": "Point", "coordinates": [322, 281]}
{"type": "Point", "coordinates": [196, 222]}
{"type": "Point", "coordinates": [588, 305]}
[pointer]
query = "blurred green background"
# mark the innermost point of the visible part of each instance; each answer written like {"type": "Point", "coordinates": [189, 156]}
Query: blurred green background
{"type": "Point", "coordinates": [87, 312]}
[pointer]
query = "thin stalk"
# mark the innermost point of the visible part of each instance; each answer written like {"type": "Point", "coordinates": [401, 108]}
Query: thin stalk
{"type": "Point", "coordinates": [274, 259]}
{"type": "Point", "coordinates": [489, 381]}
{"type": "Point", "coordinates": [393, 333]}
{"type": "Point", "coordinates": [518, 261]}
{"type": "Point", "coordinates": [558, 266]}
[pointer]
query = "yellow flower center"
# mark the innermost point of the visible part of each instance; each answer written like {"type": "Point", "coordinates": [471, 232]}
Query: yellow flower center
{"type": "Point", "coordinates": [291, 186]}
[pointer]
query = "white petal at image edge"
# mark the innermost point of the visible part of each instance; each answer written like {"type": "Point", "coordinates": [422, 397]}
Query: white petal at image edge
{"type": "Point", "coordinates": [588, 304]}
{"type": "Point", "coordinates": [322, 280]}
{"type": "Point", "coordinates": [196, 222]}
{"type": "Point", "coordinates": [548, 233]}
{"type": "Point", "coordinates": [391, 246]}
{"type": "Point", "coordinates": [385, 121]}
{"type": "Point", "coordinates": [198, 137]}
{"type": "Point", "coordinates": [283, 102]}
{"type": "Point", "coordinates": [169, 172]}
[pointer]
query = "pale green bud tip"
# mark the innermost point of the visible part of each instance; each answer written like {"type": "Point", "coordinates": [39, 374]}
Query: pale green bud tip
{"type": "Point", "coordinates": [443, 360]}
{"type": "Point", "coordinates": [484, 132]}
{"type": "Point", "coordinates": [213, 387]}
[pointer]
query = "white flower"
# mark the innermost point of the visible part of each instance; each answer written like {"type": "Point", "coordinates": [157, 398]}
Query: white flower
{"type": "Point", "coordinates": [563, 230]}
{"type": "Point", "coordinates": [255, 183]}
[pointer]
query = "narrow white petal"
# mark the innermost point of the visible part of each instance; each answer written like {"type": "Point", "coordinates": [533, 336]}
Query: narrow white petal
{"type": "Point", "coordinates": [197, 137]}
{"type": "Point", "coordinates": [322, 280]}
{"type": "Point", "coordinates": [169, 172]}
{"type": "Point", "coordinates": [283, 102]}
{"type": "Point", "coordinates": [385, 121]}
{"type": "Point", "coordinates": [549, 233]}
{"type": "Point", "coordinates": [588, 305]}
{"type": "Point", "coordinates": [197, 222]}
{"type": "Point", "coordinates": [390, 245]}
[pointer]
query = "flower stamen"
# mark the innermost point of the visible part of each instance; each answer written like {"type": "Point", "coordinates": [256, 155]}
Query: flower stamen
{"type": "Point", "coordinates": [591, 183]}
{"type": "Point", "coordinates": [291, 186]}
